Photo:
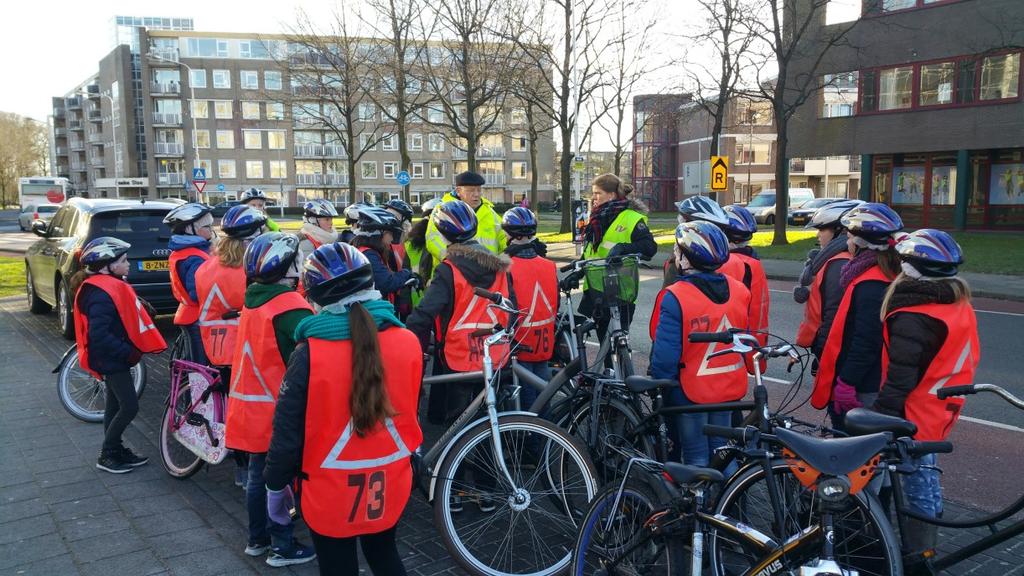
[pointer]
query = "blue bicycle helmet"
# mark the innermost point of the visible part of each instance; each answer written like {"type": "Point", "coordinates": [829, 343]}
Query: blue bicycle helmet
{"type": "Point", "coordinates": [741, 226]}
{"type": "Point", "coordinates": [519, 222]}
{"type": "Point", "coordinates": [402, 207]}
{"type": "Point", "coordinates": [933, 253]}
{"type": "Point", "coordinates": [702, 208]}
{"type": "Point", "coordinates": [242, 221]}
{"type": "Point", "coordinates": [455, 220]}
{"type": "Point", "coordinates": [334, 271]}
{"type": "Point", "coordinates": [268, 257]}
{"type": "Point", "coordinates": [703, 244]}
{"type": "Point", "coordinates": [873, 222]}
{"type": "Point", "coordinates": [829, 215]}
{"type": "Point", "coordinates": [102, 251]}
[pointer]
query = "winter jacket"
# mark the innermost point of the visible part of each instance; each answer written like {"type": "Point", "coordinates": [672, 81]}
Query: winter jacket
{"type": "Point", "coordinates": [815, 260]}
{"type": "Point", "coordinates": [110, 349]}
{"type": "Point", "coordinates": [666, 352]}
{"type": "Point", "coordinates": [384, 279]}
{"type": "Point", "coordinates": [859, 363]}
{"type": "Point", "coordinates": [831, 297]}
{"type": "Point", "coordinates": [914, 341]}
{"type": "Point", "coordinates": [257, 295]}
{"type": "Point", "coordinates": [186, 269]}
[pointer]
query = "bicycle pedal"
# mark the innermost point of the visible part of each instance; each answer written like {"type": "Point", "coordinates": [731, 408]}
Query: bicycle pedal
{"type": "Point", "coordinates": [195, 419]}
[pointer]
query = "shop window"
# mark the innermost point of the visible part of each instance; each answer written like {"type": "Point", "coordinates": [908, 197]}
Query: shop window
{"type": "Point", "coordinates": [943, 191]}
{"type": "Point", "coordinates": [936, 84]}
{"type": "Point", "coordinates": [1000, 76]}
{"type": "Point", "coordinates": [895, 86]}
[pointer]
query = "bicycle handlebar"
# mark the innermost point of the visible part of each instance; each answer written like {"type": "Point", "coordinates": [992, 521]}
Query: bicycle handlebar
{"type": "Point", "coordinates": [495, 297]}
{"type": "Point", "coordinates": [964, 390]}
{"type": "Point", "coordinates": [944, 393]}
{"type": "Point", "coordinates": [723, 337]}
{"type": "Point", "coordinates": [917, 449]}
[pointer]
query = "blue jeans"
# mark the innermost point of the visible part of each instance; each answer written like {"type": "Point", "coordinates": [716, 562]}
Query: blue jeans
{"type": "Point", "coordinates": [527, 393]}
{"type": "Point", "coordinates": [922, 489]}
{"type": "Point", "coordinates": [195, 340]}
{"type": "Point", "coordinates": [686, 431]}
{"type": "Point", "coordinates": [261, 527]}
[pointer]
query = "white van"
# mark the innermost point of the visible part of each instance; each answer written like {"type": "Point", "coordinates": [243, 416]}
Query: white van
{"type": "Point", "coordinates": [762, 206]}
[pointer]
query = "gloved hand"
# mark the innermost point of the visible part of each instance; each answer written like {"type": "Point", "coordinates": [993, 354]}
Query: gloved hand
{"type": "Point", "coordinates": [135, 357]}
{"type": "Point", "coordinates": [616, 251]}
{"type": "Point", "coordinates": [279, 504]}
{"type": "Point", "coordinates": [801, 294]}
{"type": "Point", "coordinates": [844, 397]}
{"type": "Point", "coordinates": [415, 281]}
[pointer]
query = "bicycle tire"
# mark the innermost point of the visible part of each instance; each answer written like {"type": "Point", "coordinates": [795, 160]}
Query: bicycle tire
{"type": "Point", "coordinates": [625, 361]}
{"type": "Point", "coordinates": [568, 490]}
{"type": "Point", "coordinates": [171, 451]}
{"type": "Point", "coordinates": [83, 395]}
{"type": "Point", "coordinates": [854, 529]}
{"type": "Point", "coordinates": [617, 421]}
{"type": "Point", "coordinates": [636, 503]}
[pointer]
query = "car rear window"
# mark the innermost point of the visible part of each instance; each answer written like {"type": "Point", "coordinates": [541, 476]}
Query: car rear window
{"type": "Point", "coordinates": [145, 226]}
{"type": "Point", "coordinates": [48, 209]}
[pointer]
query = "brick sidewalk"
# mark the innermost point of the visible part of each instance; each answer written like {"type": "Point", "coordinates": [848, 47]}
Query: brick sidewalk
{"type": "Point", "coordinates": [59, 515]}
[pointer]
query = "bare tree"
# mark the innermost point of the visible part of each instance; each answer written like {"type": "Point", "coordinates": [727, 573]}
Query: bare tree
{"type": "Point", "coordinates": [23, 152]}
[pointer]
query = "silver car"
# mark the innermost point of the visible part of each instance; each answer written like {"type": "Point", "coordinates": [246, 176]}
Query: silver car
{"type": "Point", "coordinates": [32, 212]}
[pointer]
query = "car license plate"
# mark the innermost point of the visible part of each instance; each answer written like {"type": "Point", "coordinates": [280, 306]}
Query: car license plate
{"type": "Point", "coordinates": [153, 265]}
{"type": "Point", "coordinates": [799, 219]}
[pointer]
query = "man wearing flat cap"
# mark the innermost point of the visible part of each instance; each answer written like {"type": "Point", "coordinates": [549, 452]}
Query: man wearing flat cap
{"type": "Point", "coordinates": [489, 234]}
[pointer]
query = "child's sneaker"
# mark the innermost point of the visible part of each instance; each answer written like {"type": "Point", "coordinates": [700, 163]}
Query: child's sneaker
{"type": "Point", "coordinates": [257, 548]}
{"type": "Point", "coordinates": [131, 458]}
{"type": "Point", "coordinates": [112, 463]}
{"type": "Point", "coordinates": [298, 553]}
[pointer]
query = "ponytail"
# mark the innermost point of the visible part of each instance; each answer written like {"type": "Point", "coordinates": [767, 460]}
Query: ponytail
{"type": "Point", "coordinates": [612, 184]}
{"type": "Point", "coordinates": [369, 403]}
{"type": "Point", "coordinates": [76, 282]}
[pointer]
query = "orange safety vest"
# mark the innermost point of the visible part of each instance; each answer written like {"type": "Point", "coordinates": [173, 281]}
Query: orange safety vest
{"type": "Point", "coordinates": [257, 370]}
{"type": "Point", "coordinates": [188, 309]}
{"type": "Point", "coordinates": [954, 365]}
{"type": "Point", "coordinates": [812, 310]}
{"type": "Point", "coordinates": [825, 379]}
{"type": "Point", "coordinates": [359, 484]}
{"type": "Point", "coordinates": [220, 289]}
{"type": "Point", "coordinates": [137, 323]}
{"type": "Point", "coordinates": [537, 279]}
{"type": "Point", "coordinates": [463, 350]}
{"type": "Point", "coordinates": [399, 251]}
{"type": "Point", "coordinates": [707, 380]}
{"type": "Point", "coordinates": [738, 266]}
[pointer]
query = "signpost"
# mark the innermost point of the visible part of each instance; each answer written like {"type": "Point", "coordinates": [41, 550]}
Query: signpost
{"type": "Point", "coordinates": [199, 181]}
{"type": "Point", "coordinates": [719, 173]}
{"type": "Point", "coordinates": [403, 178]}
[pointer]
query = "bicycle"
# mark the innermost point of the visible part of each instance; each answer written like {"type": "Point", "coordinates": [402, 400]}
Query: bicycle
{"type": "Point", "coordinates": [539, 478]}
{"type": "Point", "coordinates": [83, 395]}
{"type": "Point", "coordinates": [192, 427]}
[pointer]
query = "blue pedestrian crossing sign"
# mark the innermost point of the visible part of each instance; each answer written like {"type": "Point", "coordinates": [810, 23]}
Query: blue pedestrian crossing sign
{"type": "Point", "coordinates": [403, 178]}
{"type": "Point", "coordinates": [199, 173]}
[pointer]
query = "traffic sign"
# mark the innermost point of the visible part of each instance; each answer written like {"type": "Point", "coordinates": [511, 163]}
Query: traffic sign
{"type": "Point", "coordinates": [403, 178]}
{"type": "Point", "coordinates": [220, 187]}
{"type": "Point", "coordinates": [200, 185]}
{"type": "Point", "coordinates": [719, 172]}
{"type": "Point", "coordinates": [199, 174]}
{"type": "Point", "coordinates": [578, 165]}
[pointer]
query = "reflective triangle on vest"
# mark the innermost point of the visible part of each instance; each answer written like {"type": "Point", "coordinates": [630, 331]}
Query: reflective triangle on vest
{"type": "Point", "coordinates": [333, 461]}
{"type": "Point", "coordinates": [705, 369]}
{"type": "Point", "coordinates": [539, 298]}
{"type": "Point", "coordinates": [462, 324]}
{"type": "Point", "coordinates": [248, 360]}
{"type": "Point", "coordinates": [143, 327]}
{"type": "Point", "coordinates": [204, 320]}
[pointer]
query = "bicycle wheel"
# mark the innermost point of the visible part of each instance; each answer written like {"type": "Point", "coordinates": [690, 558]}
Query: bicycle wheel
{"type": "Point", "coordinates": [863, 538]}
{"type": "Point", "coordinates": [179, 461]}
{"type": "Point", "coordinates": [617, 439]}
{"type": "Point", "coordinates": [85, 396]}
{"type": "Point", "coordinates": [615, 539]}
{"type": "Point", "coordinates": [533, 528]}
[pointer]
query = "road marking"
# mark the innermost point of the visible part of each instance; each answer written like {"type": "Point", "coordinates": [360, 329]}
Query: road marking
{"type": "Point", "coordinates": [975, 310]}
{"type": "Point", "coordinates": [999, 425]}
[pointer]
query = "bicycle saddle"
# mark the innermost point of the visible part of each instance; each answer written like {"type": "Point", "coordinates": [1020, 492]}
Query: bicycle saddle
{"type": "Point", "coordinates": [861, 422]}
{"type": "Point", "coordinates": [832, 456]}
{"type": "Point", "coordinates": [643, 383]}
{"type": "Point", "coordinates": [683, 474]}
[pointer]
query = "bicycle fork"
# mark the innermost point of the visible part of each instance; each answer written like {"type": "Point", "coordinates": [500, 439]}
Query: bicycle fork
{"type": "Point", "coordinates": [520, 498]}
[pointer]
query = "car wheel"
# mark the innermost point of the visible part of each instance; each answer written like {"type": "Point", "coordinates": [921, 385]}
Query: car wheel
{"type": "Point", "coordinates": [35, 303]}
{"type": "Point", "coordinates": [769, 220]}
{"type": "Point", "coordinates": [65, 314]}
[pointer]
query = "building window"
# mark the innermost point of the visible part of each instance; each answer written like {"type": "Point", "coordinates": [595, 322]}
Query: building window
{"type": "Point", "coordinates": [895, 86]}
{"type": "Point", "coordinates": [937, 83]}
{"type": "Point", "coordinates": [369, 169]}
{"type": "Point", "coordinates": [272, 80]}
{"type": "Point", "coordinates": [254, 49]}
{"type": "Point", "coordinates": [198, 78]}
{"type": "Point", "coordinates": [390, 143]}
{"type": "Point", "coordinates": [275, 111]}
{"type": "Point", "coordinates": [202, 139]}
{"type": "Point", "coordinates": [254, 169]}
{"type": "Point", "coordinates": [839, 94]}
{"type": "Point", "coordinates": [367, 112]}
{"type": "Point", "coordinates": [519, 143]}
{"type": "Point", "coordinates": [436, 142]}
{"type": "Point", "coordinates": [435, 115]}
{"type": "Point", "coordinates": [226, 169]}
{"type": "Point", "coordinates": [518, 117]}
{"type": "Point", "coordinates": [250, 110]}
{"type": "Point", "coordinates": [200, 108]}
{"type": "Point", "coordinates": [999, 77]}
{"type": "Point", "coordinates": [417, 170]}
{"type": "Point", "coordinates": [275, 139]}
{"type": "Point", "coordinates": [278, 169]}
{"type": "Point", "coordinates": [415, 141]}
{"type": "Point", "coordinates": [753, 153]}
{"type": "Point", "coordinates": [225, 139]}
{"type": "Point", "coordinates": [943, 186]}
{"type": "Point", "coordinates": [206, 165]}
{"type": "Point", "coordinates": [222, 78]}
{"type": "Point", "coordinates": [390, 169]}
{"type": "Point", "coordinates": [250, 79]}
{"type": "Point", "coordinates": [364, 143]}
{"type": "Point", "coordinates": [436, 170]}
{"type": "Point", "coordinates": [519, 170]}
{"type": "Point", "coordinates": [252, 139]}
{"type": "Point", "coordinates": [222, 109]}
{"type": "Point", "coordinates": [207, 48]}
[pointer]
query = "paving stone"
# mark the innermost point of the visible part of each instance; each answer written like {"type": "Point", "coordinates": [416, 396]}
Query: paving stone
{"type": "Point", "coordinates": [63, 565]}
{"type": "Point", "coordinates": [94, 525]}
{"type": "Point", "coordinates": [73, 509]}
{"type": "Point", "coordinates": [186, 541]}
{"type": "Point", "coordinates": [31, 550]}
{"type": "Point", "coordinates": [26, 528]}
{"type": "Point", "coordinates": [75, 491]}
{"type": "Point", "coordinates": [140, 563]}
{"type": "Point", "coordinates": [205, 563]}
{"type": "Point", "coordinates": [29, 508]}
{"type": "Point", "coordinates": [106, 545]}
{"type": "Point", "coordinates": [149, 505]}
{"type": "Point", "coordinates": [171, 521]}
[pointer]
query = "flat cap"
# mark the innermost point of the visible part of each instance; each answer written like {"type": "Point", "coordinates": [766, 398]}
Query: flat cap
{"type": "Point", "coordinates": [469, 179]}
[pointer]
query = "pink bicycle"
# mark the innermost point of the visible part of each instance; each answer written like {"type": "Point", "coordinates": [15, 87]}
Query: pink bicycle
{"type": "Point", "coordinates": [192, 429]}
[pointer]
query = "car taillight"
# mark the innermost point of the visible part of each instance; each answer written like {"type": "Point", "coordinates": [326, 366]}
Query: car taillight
{"type": "Point", "coordinates": [76, 256]}
{"type": "Point", "coordinates": [35, 216]}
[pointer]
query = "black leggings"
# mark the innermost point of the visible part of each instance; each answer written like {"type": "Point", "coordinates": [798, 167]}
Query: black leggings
{"type": "Point", "coordinates": [337, 556]}
{"type": "Point", "coordinates": [122, 406]}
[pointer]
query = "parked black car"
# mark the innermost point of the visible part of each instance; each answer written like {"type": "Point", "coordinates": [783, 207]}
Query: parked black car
{"type": "Point", "coordinates": [51, 261]}
{"type": "Point", "coordinates": [802, 215]}
{"type": "Point", "coordinates": [221, 208]}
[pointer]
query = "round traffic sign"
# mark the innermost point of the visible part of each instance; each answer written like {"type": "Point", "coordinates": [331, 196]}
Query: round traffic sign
{"type": "Point", "coordinates": [403, 178]}
{"type": "Point", "coordinates": [54, 196]}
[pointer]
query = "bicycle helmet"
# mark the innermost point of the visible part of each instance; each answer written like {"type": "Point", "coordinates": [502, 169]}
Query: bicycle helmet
{"type": "Point", "coordinates": [269, 256]}
{"type": "Point", "coordinates": [741, 226]}
{"type": "Point", "coordinates": [181, 216]}
{"type": "Point", "coordinates": [242, 221]}
{"type": "Point", "coordinates": [374, 220]}
{"type": "Point", "coordinates": [319, 208]}
{"type": "Point", "coordinates": [352, 211]}
{"type": "Point", "coordinates": [102, 251]}
{"type": "Point", "coordinates": [252, 194]}
{"type": "Point", "coordinates": [933, 253]}
{"type": "Point", "coordinates": [334, 271]}
{"type": "Point", "coordinates": [702, 208]}
{"type": "Point", "coordinates": [703, 244]}
{"type": "Point", "coordinates": [455, 220]}
{"type": "Point", "coordinates": [427, 207]}
{"type": "Point", "coordinates": [402, 208]}
{"type": "Point", "coordinates": [874, 222]}
{"type": "Point", "coordinates": [519, 222]}
{"type": "Point", "coordinates": [829, 215]}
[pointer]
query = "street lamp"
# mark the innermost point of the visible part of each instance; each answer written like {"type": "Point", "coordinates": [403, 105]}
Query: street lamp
{"type": "Point", "coordinates": [192, 98]}
{"type": "Point", "coordinates": [113, 135]}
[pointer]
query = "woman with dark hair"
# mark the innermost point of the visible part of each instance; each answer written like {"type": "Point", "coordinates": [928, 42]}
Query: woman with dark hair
{"type": "Point", "coordinates": [346, 418]}
{"type": "Point", "coordinates": [375, 231]}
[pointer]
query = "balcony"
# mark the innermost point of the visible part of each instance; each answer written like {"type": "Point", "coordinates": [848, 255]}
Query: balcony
{"type": "Point", "coordinates": [78, 167]}
{"type": "Point", "coordinates": [481, 152]}
{"type": "Point", "coordinates": [96, 162]}
{"type": "Point", "coordinates": [60, 132]}
{"type": "Point", "coordinates": [58, 113]}
{"type": "Point", "coordinates": [170, 179]}
{"type": "Point", "coordinates": [75, 125]}
{"type": "Point", "coordinates": [160, 55]}
{"type": "Point", "coordinates": [309, 179]}
{"type": "Point", "coordinates": [334, 151]}
{"type": "Point", "coordinates": [309, 151]}
{"type": "Point", "coordinates": [63, 172]}
{"type": "Point", "coordinates": [336, 179]}
{"type": "Point", "coordinates": [61, 150]}
{"type": "Point", "coordinates": [77, 144]}
{"type": "Point", "coordinates": [491, 179]}
{"type": "Point", "coordinates": [167, 118]}
{"type": "Point", "coordinates": [95, 116]}
{"type": "Point", "coordinates": [73, 103]}
{"type": "Point", "coordinates": [168, 149]}
{"type": "Point", "coordinates": [94, 138]}
{"type": "Point", "coordinates": [165, 87]}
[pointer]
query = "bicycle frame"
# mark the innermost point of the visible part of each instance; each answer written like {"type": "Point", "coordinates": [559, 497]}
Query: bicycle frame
{"type": "Point", "coordinates": [219, 405]}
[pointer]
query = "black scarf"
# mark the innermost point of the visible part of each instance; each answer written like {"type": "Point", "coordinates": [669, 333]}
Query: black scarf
{"type": "Point", "coordinates": [601, 219]}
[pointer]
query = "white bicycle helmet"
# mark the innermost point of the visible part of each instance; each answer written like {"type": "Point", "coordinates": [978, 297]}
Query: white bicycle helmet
{"type": "Point", "coordinates": [252, 194]}
{"type": "Point", "coordinates": [319, 208]}
{"type": "Point", "coordinates": [828, 216]}
{"type": "Point", "coordinates": [180, 217]}
{"type": "Point", "coordinates": [427, 207]}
